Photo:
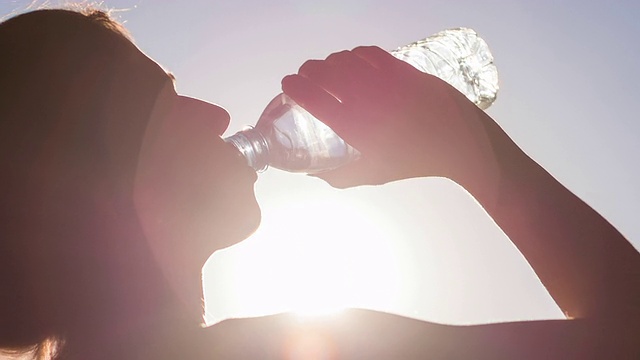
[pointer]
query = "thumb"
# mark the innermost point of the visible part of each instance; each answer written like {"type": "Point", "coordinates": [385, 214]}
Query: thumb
{"type": "Point", "coordinates": [357, 173]}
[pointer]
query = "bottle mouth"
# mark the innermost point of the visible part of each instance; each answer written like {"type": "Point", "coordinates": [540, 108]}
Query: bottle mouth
{"type": "Point", "coordinates": [252, 146]}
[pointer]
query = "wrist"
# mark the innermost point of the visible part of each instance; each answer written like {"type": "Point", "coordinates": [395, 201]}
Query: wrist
{"type": "Point", "coordinates": [478, 169]}
{"type": "Point", "coordinates": [493, 160]}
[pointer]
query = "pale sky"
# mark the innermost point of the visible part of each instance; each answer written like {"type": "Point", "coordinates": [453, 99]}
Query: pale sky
{"type": "Point", "coordinates": [568, 74]}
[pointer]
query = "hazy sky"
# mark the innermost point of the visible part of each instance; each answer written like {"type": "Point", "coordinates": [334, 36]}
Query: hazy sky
{"type": "Point", "coordinates": [569, 77]}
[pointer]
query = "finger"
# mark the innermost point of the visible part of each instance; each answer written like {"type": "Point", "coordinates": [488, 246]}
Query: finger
{"type": "Point", "coordinates": [379, 58]}
{"type": "Point", "coordinates": [350, 61]}
{"type": "Point", "coordinates": [328, 77]}
{"type": "Point", "coordinates": [343, 74]}
{"type": "Point", "coordinates": [313, 98]}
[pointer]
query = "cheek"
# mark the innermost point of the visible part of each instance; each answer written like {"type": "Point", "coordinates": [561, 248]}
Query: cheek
{"type": "Point", "coordinates": [185, 187]}
{"type": "Point", "coordinates": [193, 190]}
{"type": "Point", "coordinates": [235, 210]}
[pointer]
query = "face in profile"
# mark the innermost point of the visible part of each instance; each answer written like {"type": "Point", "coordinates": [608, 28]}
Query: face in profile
{"type": "Point", "coordinates": [190, 185]}
{"type": "Point", "coordinates": [97, 147]}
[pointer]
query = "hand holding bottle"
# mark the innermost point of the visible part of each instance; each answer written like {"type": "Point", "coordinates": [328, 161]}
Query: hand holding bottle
{"type": "Point", "coordinates": [289, 138]}
{"type": "Point", "coordinates": [405, 123]}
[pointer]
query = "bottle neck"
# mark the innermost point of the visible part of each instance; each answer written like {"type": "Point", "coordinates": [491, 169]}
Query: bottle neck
{"type": "Point", "coordinates": [253, 147]}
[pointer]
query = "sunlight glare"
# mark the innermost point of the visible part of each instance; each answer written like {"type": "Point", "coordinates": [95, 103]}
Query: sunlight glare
{"type": "Point", "coordinates": [314, 258]}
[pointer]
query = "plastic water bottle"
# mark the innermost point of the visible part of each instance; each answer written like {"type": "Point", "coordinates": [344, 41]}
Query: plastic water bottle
{"type": "Point", "coordinates": [287, 137]}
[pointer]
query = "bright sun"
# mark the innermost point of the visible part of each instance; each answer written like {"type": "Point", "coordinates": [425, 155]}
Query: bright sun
{"type": "Point", "coordinates": [310, 257]}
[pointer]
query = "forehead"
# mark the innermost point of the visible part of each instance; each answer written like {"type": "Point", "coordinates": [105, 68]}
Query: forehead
{"type": "Point", "coordinates": [154, 67]}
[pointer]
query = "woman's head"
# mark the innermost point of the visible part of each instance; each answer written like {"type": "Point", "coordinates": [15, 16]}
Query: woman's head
{"type": "Point", "coordinates": [74, 100]}
{"type": "Point", "coordinates": [77, 98]}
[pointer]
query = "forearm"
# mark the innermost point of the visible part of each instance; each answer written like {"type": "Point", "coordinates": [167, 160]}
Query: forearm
{"type": "Point", "coordinates": [587, 266]}
{"type": "Point", "coordinates": [552, 339]}
{"type": "Point", "coordinates": [363, 334]}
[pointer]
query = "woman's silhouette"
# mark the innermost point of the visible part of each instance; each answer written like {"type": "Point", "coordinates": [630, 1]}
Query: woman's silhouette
{"type": "Point", "coordinates": [115, 190]}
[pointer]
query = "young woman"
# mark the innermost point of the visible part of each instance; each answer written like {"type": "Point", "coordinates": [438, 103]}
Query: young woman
{"type": "Point", "coordinates": [115, 190]}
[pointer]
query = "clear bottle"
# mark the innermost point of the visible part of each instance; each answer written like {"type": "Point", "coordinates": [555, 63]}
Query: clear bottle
{"type": "Point", "coordinates": [289, 138]}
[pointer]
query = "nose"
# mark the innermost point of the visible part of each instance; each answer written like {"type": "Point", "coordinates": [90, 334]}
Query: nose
{"type": "Point", "coordinates": [217, 116]}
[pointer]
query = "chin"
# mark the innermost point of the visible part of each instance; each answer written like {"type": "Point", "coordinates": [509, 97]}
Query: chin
{"type": "Point", "coordinates": [241, 226]}
{"type": "Point", "coordinates": [251, 223]}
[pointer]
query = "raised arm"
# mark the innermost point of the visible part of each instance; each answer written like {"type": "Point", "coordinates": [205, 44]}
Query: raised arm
{"type": "Point", "coordinates": [587, 266]}
{"type": "Point", "coordinates": [409, 124]}
{"type": "Point", "coordinates": [363, 334]}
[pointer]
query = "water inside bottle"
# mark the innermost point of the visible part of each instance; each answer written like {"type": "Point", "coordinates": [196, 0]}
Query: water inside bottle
{"type": "Point", "coordinates": [297, 141]}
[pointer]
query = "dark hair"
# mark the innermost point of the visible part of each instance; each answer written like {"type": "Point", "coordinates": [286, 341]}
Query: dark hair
{"type": "Point", "coordinates": [75, 96]}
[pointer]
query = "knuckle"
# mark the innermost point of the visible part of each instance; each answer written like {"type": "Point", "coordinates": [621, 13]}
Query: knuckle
{"type": "Point", "coordinates": [338, 57]}
{"type": "Point", "coordinates": [368, 50]}
{"type": "Point", "coordinates": [309, 67]}
{"type": "Point", "coordinates": [362, 49]}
